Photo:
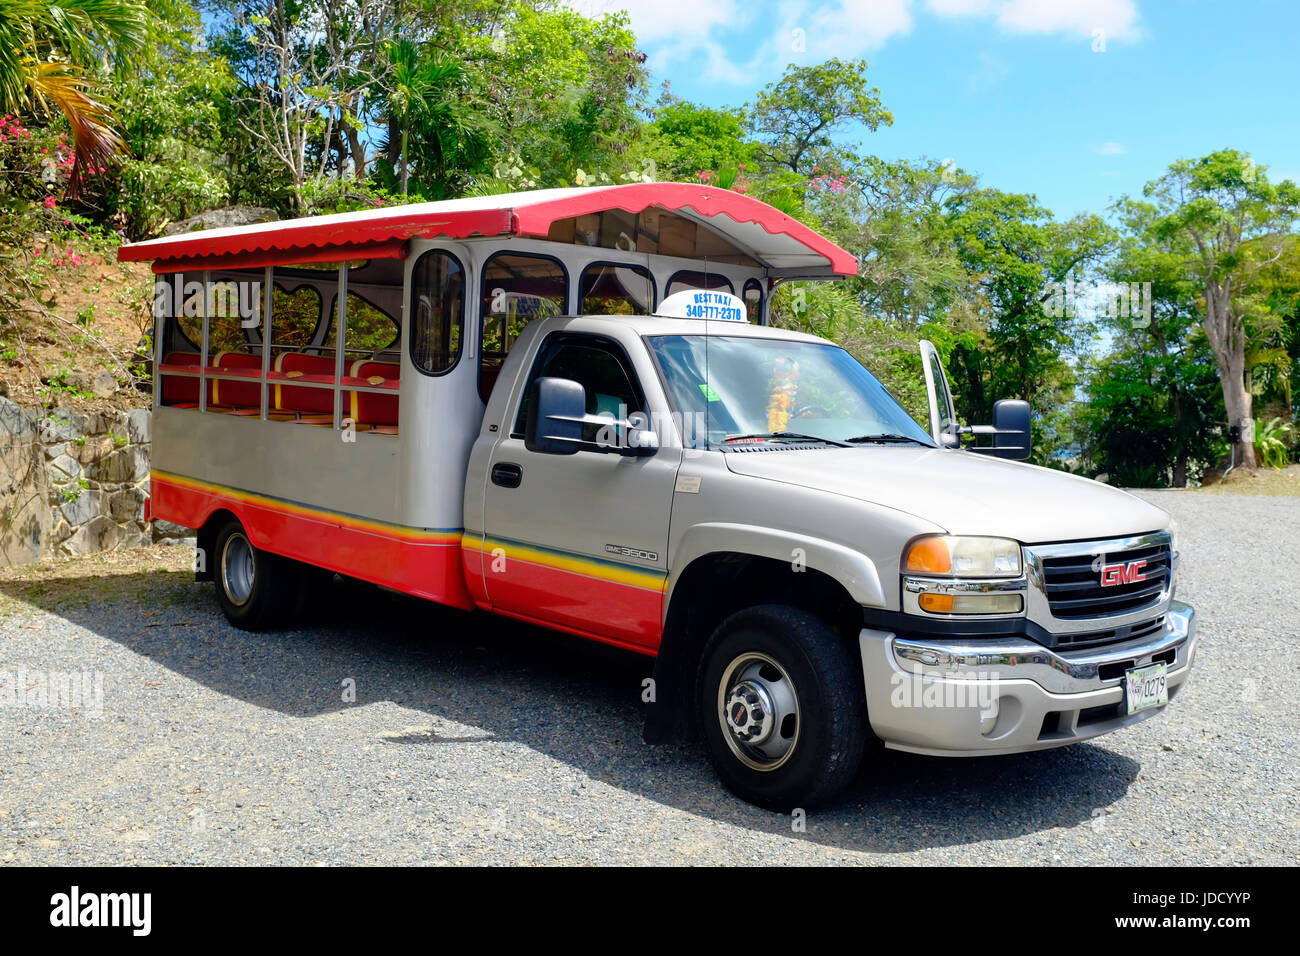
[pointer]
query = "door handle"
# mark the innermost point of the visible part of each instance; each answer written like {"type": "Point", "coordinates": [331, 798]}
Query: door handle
{"type": "Point", "coordinates": [507, 475]}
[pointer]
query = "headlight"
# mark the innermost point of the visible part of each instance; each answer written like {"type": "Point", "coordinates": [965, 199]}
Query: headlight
{"type": "Point", "coordinates": [951, 574]}
{"type": "Point", "coordinates": [964, 557]}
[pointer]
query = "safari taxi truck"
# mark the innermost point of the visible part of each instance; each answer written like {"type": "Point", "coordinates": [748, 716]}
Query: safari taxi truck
{"type": "Point", "coordinates": [568, 407]}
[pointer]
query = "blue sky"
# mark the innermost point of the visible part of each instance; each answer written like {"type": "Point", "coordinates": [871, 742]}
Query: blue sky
{"type": "Point", "coordinates": [1076, 101]}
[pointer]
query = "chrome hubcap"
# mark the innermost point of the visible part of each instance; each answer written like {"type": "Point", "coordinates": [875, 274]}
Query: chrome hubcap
{"type": "Point", "coordinates": [237, 569]}
{"type": "Point", "coordinates": [759, 711]}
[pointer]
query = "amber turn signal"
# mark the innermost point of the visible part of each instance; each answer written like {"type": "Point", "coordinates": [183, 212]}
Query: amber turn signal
{"type": "Point", "coordinates": [937, 603]}
{"type": "Point", "coordinates": [929, 556]}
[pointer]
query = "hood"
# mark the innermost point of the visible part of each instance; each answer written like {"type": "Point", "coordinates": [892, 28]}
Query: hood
{"type": "Point", "coordinates": [962, 492]}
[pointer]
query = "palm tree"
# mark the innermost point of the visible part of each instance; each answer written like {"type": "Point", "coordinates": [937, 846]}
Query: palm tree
{"type": "Point", "coordinates": [427, 97]}
{"type": "Point", "coordinates": [45, 48]}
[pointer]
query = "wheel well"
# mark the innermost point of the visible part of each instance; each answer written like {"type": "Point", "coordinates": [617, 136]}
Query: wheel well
{"type": "Point", "coordinates": [718, 585]}
{"type": "Point", "coordinates": [711, 589]}
{"type": "Point", "coordinates": [207, 543]}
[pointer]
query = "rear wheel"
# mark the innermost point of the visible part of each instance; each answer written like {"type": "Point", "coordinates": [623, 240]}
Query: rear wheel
{"type": "Point", "coordinates": [782, 707]}
{"type": "Point", "coordinates": [256, 589]}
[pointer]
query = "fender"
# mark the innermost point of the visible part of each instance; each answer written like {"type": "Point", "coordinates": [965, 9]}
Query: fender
{"type": "Point", "coordinates": [852, 569]}
{"type": "Point", "coordinates": [666, 717]}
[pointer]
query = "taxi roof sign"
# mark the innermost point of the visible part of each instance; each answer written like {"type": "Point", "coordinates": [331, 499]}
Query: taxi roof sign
{"type": "Point", "coordinates": [703, 304]}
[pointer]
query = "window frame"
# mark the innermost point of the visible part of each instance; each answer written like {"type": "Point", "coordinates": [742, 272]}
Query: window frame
{"type": "Point", "coordinates": [482, 312]}
{"type": "Point", "coordinates": [395, 344]}
{"type": "Point", "coordinates": [413, 313]}
{"type": "Point", "coordinates": [614, 263]}
{"type": "Point", "coordinates": [567, 337]}
{"type": "Point", "coordinates": [762, 297]}
{"type": "Point", "coordinates": [731, 286]}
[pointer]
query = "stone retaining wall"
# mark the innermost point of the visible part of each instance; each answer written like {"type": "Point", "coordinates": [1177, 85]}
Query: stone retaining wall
{"type": "Point", "coordinates": [73, 483]}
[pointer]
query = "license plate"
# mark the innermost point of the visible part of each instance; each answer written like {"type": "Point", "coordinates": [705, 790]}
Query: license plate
{"type": "Point", "coordinates": [1146, 687]}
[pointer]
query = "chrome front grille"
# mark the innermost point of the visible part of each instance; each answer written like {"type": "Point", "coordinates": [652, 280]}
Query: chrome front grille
{"type": "Point", "coordinates": [1114, 635]}
{"type": "Point", "coordinates": [1102, 583]}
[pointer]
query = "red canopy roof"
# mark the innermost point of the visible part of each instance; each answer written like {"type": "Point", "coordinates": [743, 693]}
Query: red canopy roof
{"type": "Point", "coordinates": [781, 243]}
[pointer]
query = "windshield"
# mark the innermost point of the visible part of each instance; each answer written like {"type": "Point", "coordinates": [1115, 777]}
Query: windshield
{"type": "Point", "coordinates": [741, 388]}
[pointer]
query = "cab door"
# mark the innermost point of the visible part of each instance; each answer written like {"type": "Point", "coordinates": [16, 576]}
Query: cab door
{"type": "Point", "coordinates": [944, 427]}
{"type": "Point", "coordinates": [579, 541]}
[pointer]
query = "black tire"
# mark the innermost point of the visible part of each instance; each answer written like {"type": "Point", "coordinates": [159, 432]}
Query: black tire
{"type": "Point", "coordinates": [825, 749]}
{"type": "Point", "coordinates": [257, 590]}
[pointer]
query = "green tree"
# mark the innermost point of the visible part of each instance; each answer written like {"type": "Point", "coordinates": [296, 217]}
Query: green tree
{"type": "Point", "coordinates": [795, 119]}
{"type": "Point", "coordinates": [685, 139]}
{"type": "Point", "coordinates": [566, 91]}
{"type": "Point", "coordinates": [1235, 223]}
{"type": "Point", "coordinates": [1017, 255]}
{"type": "Point", "coordinates": [47, 48]}
{"type": "Point", "coordinates": [891, 215]}
{"type": "Point", "coordinates": [1153, 399]}
{"type": "Point", "coordinates": [171, 99]}
{"type": "Point", "coordinates": [428, 95]}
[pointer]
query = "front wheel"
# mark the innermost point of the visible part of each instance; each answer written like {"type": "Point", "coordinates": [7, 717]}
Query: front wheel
{"type": "Point", "coordinates": [782, 707]}
{"type": "Point", "coordinates": [256, 589]}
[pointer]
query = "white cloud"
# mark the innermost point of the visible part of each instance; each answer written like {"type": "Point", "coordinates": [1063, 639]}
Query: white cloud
{"type": "Point", "coordinates": [1115, 19]}
{"type": "Point", "coordinates": [854, 26]}
{"type": "Point", "coordinates": [694, 35]}
{"type": "Point", "coordinates": [655, 20]}
{"type": "Point", "coordinates": [958, 8]}
{"type": "Point", "coordinates": [1110, 149]}
{"type": "Point", "coordinates": [681, 34]}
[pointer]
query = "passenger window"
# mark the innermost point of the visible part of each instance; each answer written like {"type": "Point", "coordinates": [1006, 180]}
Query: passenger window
{"type": "Point", "coordinates": [517, 288]}
{"type": "Point", "coordinates": [370, 329]}
{"type": "Point", "coordinates": [437, 312]}
{"type": "Point", "coordinates": [599, 366]}
{"type": "Point", "coordinates": [753, 301]}
{"type": "Point", "coordinates": [681, 281]}
{"type": "Point", "coordinates": [302, 354]}
{"type": "Point", "coordinates": [234, 304]}
{"type": "Point", "coordinates": [294, 316]}
{"type": "Point", "coordinates": [608, 289]}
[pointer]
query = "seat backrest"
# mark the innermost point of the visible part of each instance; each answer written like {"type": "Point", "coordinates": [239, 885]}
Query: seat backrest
{"type": "Point", "coordinates": [242, 394]}
{"type": "Point", "coordinates": [301, 398]}
{"type": "Point", "coordinates": [180, 389]}
{"type": "Point", "coordinates": [371, 408]}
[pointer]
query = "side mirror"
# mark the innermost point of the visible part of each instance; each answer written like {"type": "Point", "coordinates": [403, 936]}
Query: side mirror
{"type": "Point", "coordinates": [555, 414]}
{"type": "Point", "coordinates": [1011, 431]}
{"type": "Point", "coordinates": [1012, 434]}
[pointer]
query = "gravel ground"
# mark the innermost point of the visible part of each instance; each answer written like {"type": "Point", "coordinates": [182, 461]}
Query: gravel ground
{"type": "Point", "coordinates": [478, 741]}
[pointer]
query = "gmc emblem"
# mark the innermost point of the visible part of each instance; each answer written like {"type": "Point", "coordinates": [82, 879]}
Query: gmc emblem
{"type": "Point", "coordinates": [1113, 574]}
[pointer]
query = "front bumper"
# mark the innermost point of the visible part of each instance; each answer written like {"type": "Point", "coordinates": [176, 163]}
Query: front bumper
{"type": "Point", "coordinates": [969, 697]}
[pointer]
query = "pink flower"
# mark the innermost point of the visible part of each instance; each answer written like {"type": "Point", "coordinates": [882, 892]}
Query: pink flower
{"type": "Point", "coordinates": [50, 202]}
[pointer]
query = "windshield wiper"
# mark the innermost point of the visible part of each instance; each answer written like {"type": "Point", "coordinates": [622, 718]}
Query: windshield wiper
{"type": "Point", "coordinates": [792, 436]}
{"type": "Point", "coordinates": [887, 438]}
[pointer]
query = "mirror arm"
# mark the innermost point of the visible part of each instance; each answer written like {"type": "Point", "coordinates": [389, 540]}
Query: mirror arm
{"type": "Point", "coordinates": [986, 430]}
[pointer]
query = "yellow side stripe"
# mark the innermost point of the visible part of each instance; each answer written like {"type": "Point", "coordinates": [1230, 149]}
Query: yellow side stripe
{"type": "Point", "coordinates": [355, 522]}
{"type": "Point", "coordinates": [645, 578]}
